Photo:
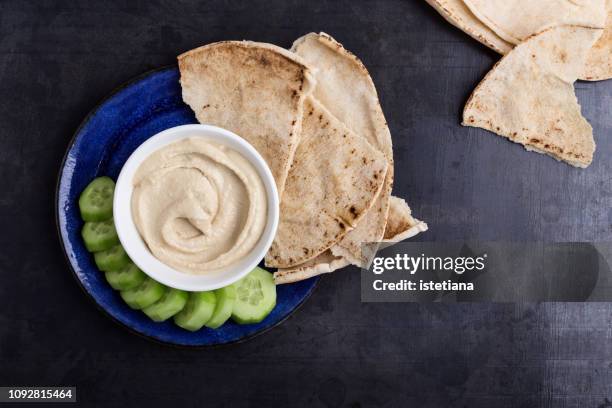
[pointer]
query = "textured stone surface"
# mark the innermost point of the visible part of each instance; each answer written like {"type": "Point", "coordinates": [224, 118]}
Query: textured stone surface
{"type": "Point", "coordinates": [58, 59]}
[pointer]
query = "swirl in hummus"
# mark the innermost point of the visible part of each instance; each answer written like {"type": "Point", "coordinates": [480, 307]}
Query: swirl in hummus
{"type": "Point", "coordinates": [199, 206]}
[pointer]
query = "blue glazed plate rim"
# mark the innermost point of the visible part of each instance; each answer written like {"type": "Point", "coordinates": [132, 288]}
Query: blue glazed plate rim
{"type": "Point", "coordinates": [130, 329]}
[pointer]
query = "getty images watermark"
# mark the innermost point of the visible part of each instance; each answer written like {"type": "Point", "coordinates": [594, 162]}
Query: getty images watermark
{"type": "Point", "coordinates": [413, 264]}
{"type": "Point", "coordinates": [488, 271]}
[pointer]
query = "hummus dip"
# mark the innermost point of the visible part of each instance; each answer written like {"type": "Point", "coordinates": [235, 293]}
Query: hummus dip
{"type": "Point", "coordinates": [198, 205]}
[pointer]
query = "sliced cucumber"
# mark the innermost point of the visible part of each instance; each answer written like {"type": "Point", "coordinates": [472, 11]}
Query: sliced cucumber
{"type": "Point", "coordinates": [143, 295]}
{"type": "Point", "coordinates": [198, 310]}
{"type": "Point", "coordinates": [172, 302]}
{"type": "Point", "coordinates": [223, 309]}
{"type": "Point", "coordinates": [99, 236]}
{"type": "Point", "coordinates": [255, 297]}
{"type": "Point", "coordinates": [112, 259]}
{"type": "Point", "coordinates": [125, 278]}
{"type": "Point", "coordinates": [96, 201]}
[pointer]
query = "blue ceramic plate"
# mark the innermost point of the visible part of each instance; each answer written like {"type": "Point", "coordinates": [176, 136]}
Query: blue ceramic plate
{"type": "Point", "coordinates": [101, 145]}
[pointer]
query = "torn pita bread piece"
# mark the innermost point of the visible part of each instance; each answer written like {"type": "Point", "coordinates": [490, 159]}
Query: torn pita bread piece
{"type": "Point", "coordinates": [459, 15]}
{"type": "Point", "coordinates": [334, 180]}
{"type": "Point", "coordinates": [528, 97]}
{"type": "Point", "coordinates": [599, 61]}
{"type": "Point", "coordinates": [516, 20]}
{"type": "Point", "coordinates": [255, 90]}
{"type": "Point", "coordinates": [345, 87]}
{"type": "Point", "coordinates": [400, 226]}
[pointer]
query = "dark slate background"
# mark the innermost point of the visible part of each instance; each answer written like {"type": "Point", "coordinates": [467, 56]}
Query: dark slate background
{"type": "Point", "coordinates": [59, 58]}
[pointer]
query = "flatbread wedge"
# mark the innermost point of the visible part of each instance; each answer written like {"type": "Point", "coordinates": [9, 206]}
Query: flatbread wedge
{"type": "Point", "coordinates": [528, 96]}
{"type": "Point", "coordinates": [516, 20]}
{"type": "Point", "coordinates": [255, 90]}
{"type": "Point", "coordinates": [400, 226]}
{"type": "Point", "coordinates": [334, 180]}
{"type": "Point", "coordinates": [346, 89]}
{"type": "Point", "coordinates": [598, 65]}
{"type": "Point", "coordinates": [459, 15]}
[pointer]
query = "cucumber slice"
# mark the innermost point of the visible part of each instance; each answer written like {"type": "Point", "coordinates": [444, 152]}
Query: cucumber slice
{"type": "Point", "coordinates": [172, 302]}
{"type": "Point", "coordinates": [96, 201]}
{"type": "Point", "coordinates": [255, 297]}
{"type": "Point", "coordinates": [223, 309]}
{"type": "Point", "coordinates": [143, 295]}
{"type": "Point", "coordinates": [125, 278]}
{"type": "Point", "coordinates": [112, 259]}
{"type": "Point", "coordinates": [198, 310]}
{"type": "Point", "coordinates": [99, 236]}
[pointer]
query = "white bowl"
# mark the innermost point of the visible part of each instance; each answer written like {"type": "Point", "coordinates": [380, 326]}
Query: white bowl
{"type": "Point", "coordinates": [136, 247]}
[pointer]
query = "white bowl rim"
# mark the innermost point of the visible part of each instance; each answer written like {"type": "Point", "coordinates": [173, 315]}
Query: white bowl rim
{"type": "Point", "coordinates": [135, 246]}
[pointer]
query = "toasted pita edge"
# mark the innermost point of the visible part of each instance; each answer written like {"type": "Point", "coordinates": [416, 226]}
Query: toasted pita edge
{"type": "Point", "coordinates": [248, 44]}
{"type": "Point", "coordinates": [477, 30]}
{"type": "Point", "coordinates": [298, 273]}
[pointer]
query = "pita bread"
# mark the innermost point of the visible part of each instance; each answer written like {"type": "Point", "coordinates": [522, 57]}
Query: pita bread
{"type": "Point", "coordinates": [529, 97]}
{"type": "Point", "coordinates": [340, 188]}
{"type": "Point", "coordinates": [516, 20]}
{"type": "Point", "coordinates": [400, 226]}
{"type": "Point", "coordinates": [598, 65]}
{"type": "Point", "coordinates": [255, 90]}
{"type": "Point", "coordinates": [599, 61]}
{"type": "Point", "coordinates": [346, 89]}
{"type": "Point", "coordinates": [459, 15]}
